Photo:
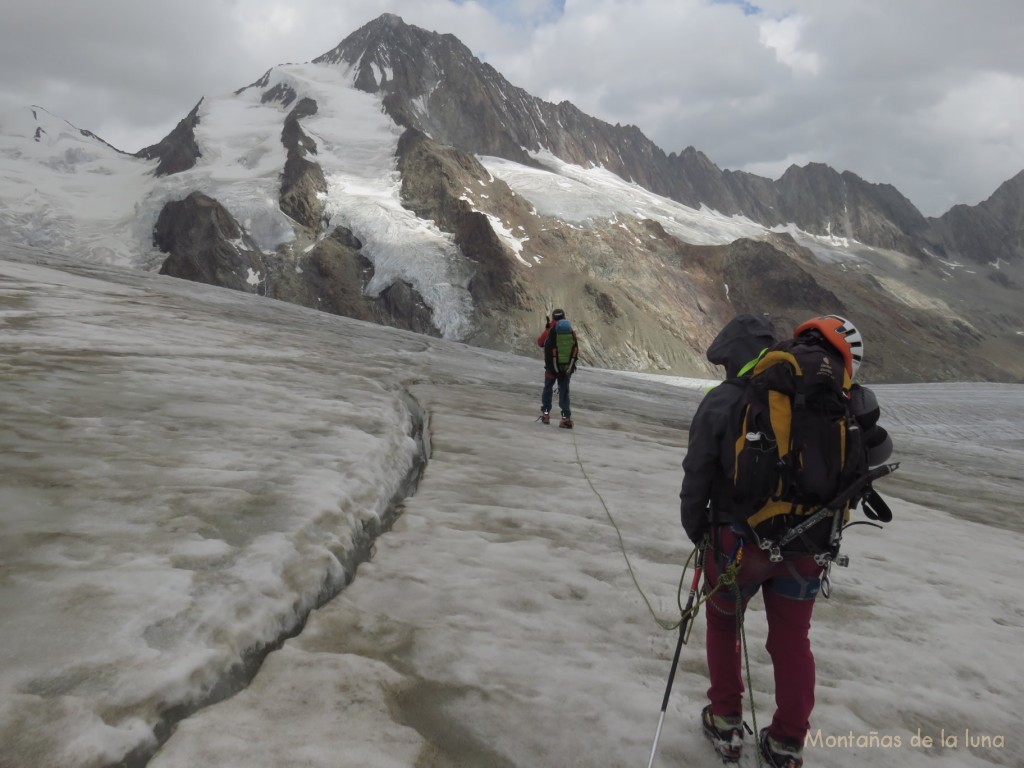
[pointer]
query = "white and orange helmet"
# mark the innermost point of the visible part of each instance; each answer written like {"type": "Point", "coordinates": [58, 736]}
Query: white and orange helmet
{"type": "Point", "coordinates": [841, 334]}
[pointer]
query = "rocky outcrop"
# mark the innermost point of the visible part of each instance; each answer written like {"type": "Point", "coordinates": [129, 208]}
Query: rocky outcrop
{"type": "Point", "coordinates": [762, 275]}
{"type": "Point", "coordinates": [333, 277]}
{"type": "Point", "coordinates": [822, 201]}
{"type": "Point", "coordinates": [178, 151]}
{"type": "Point", "coordinates": [907, 335]}
{"type": "Point", "coordinates": [434, 179]}
{"type": "Point", "coordinates": [206, 245]}
{"type": "Point", "coordinates": [303, 187]}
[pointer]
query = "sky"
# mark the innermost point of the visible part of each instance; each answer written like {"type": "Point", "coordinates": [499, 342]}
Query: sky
{"type": "Point", "coordinates": [927, 96]}
{"type": "Point", "coordinates": [193, 476]}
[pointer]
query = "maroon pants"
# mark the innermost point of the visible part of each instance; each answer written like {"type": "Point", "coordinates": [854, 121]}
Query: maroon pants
{"type": "Point", "coordinates": [789, 589]}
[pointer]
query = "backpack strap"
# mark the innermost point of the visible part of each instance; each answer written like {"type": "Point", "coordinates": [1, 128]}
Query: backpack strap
{"type": "Point", "coordinates": [780, 413]}
{"type": "Point", "coordinates": [780, 403]}
{"type": "Point", "coordinates": [750, 365]}
{"type": "Point", "coordinates": [773, 509]}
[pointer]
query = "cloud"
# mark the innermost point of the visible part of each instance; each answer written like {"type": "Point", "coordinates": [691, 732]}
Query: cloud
{"type": "Point", "coordinates": [783, 37]}
{"type": "Point", "coordinates": [919, 94]}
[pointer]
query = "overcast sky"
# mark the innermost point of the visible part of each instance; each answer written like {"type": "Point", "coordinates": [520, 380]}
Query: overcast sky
{"type": "Point", "coordinates": [927, 95]}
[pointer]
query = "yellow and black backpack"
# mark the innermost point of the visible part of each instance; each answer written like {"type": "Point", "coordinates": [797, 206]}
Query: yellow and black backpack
{"type": "Point", "coordinates": [799, 449]}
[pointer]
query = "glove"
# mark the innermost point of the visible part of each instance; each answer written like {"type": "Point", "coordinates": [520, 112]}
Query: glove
{"type": "Point", "coordinates": [699, 535]}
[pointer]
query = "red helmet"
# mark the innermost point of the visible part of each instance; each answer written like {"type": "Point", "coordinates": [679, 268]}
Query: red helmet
{"type": "Point", "coordinates": [841, 334]}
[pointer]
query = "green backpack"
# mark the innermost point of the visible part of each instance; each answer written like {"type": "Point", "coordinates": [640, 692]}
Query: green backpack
{"type": "Point", "coordinates": [565, 350]}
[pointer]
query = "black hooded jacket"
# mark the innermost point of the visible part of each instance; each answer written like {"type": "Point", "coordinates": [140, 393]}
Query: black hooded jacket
{"type": "Point", "coordinates": [707, 466]}
{"type": "Point", "coordinates": [706, 495]}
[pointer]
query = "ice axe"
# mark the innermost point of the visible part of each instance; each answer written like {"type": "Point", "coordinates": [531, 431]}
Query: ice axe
{"type": "Point", "coordinates": [684, 625]}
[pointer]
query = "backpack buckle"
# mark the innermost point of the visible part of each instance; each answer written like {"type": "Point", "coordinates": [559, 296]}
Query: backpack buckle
{"type": "Point", "coordinates": [759, 441]}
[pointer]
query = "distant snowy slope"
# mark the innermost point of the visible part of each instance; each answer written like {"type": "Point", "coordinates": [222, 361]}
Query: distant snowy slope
{"type": "Point", "coordinates": [578, 195]}
{"type": "Point", "coordinates": [63, 189]}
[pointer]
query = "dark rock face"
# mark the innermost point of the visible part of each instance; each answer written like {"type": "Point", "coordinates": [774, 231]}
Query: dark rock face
{"type": "Point", "coordinates": [433, 180]}
{"type": "Point", "coordinates": [765, 276]}
{"type": "Point", "coordinates": [302, 185]}
{"type": "Point", "coordinates": [903, 342]}
{"type": "Point", "coordinates": [401, 306]}
{"type": "Point", "coordinates": [821, 201]}
{"type": "Point", "coordinates": [206, 244]}
{"type": "Point", "coordinates": [281, 93]}
{"type": "Point", "coordinates": [333, 278]}
{"type": "Point", "coordinates": [777, 278]}
{"type": "Point", "coordinates": [990, 232]}
{"type": "Point", "coordinates": [178, 151]}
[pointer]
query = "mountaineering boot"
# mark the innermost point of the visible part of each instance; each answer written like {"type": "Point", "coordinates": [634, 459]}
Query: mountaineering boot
{"type": "Point", "coordinates": [725, 733]}
{"type": "Point", "coordinates": [779, 754]}
{"type": "Point", "coordinates": [565, 423]}
{"type": "Point", "coordinates": [545, 417]}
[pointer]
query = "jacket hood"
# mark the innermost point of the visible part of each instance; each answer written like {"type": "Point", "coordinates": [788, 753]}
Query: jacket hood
{"type": "Point", "coordinates": [740, 341]}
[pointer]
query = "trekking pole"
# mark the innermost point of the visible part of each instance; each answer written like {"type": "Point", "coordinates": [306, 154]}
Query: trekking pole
{"type": "Point", "coordinates": [683, 626]}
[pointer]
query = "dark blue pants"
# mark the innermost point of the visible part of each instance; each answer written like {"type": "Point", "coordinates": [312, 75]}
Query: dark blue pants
{"type": "Point", "coordinates": [563, 394]}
